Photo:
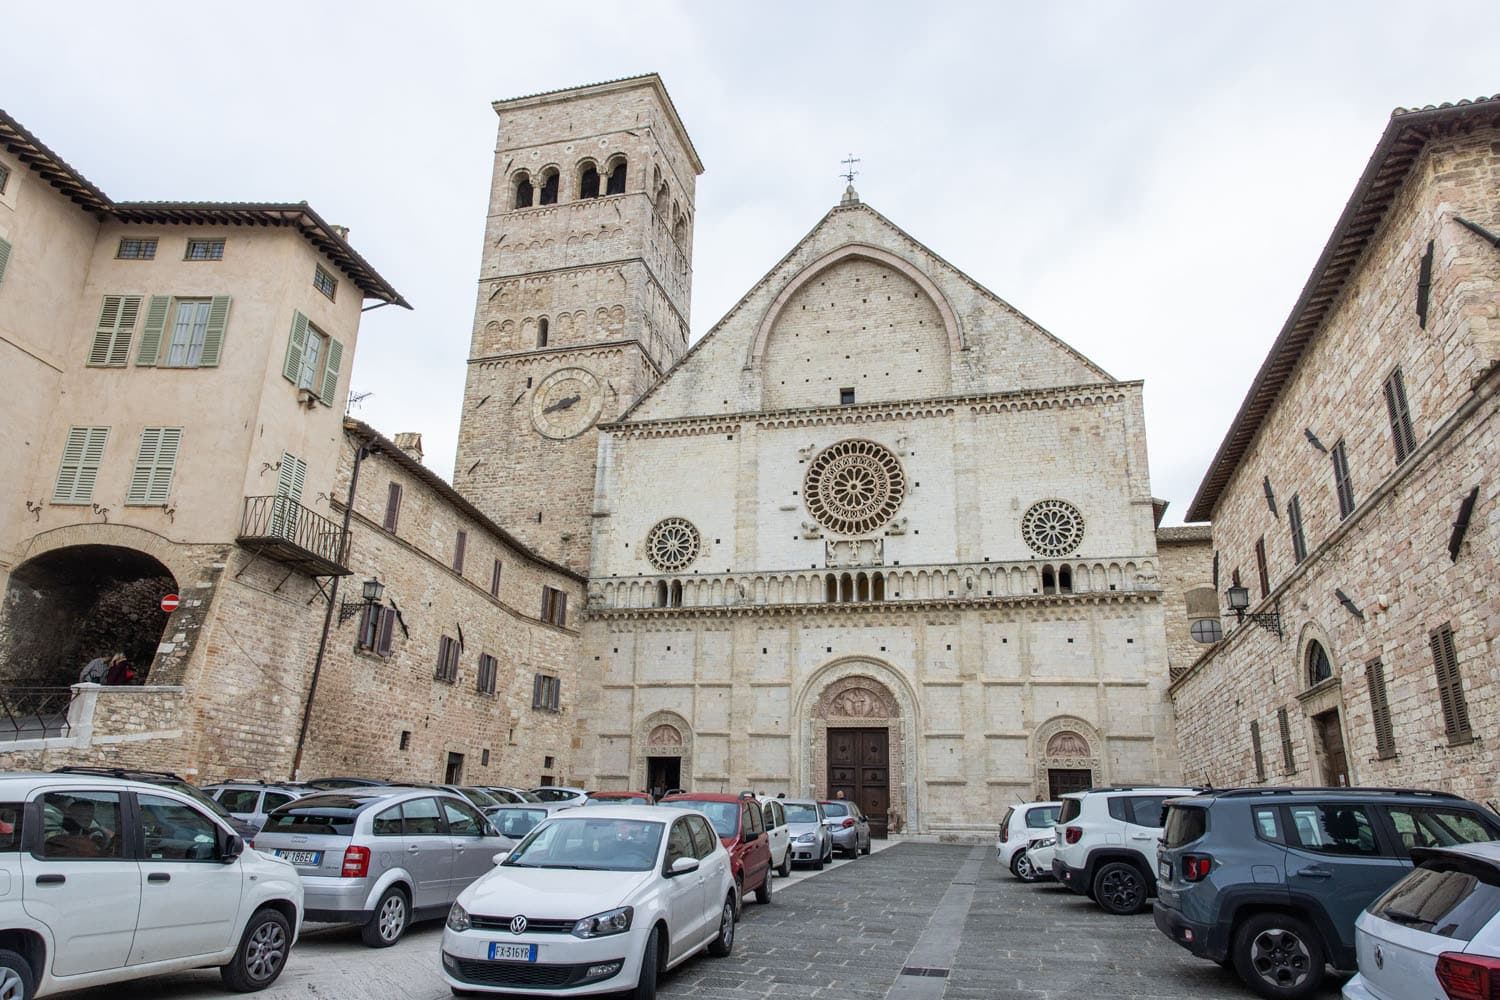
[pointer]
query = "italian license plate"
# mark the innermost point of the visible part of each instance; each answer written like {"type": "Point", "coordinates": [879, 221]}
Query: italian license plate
{"type": "Point", "coordinates": [1164, 869]}
{"type": "Point", "coordinates": [501, 952]}
{"type": "Point", "coordinates": [301, 857]}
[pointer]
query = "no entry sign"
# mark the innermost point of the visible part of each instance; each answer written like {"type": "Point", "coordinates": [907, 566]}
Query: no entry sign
{"type": "Point", "coordinates": [169, 603]}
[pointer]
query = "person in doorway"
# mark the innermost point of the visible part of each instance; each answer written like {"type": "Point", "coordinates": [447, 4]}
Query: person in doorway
{"type": "Point", "coordinates": [839, 795]}
{"type": "Point", "coordinates": [94, 672]}
{"type": "Point", "coordinates": [121, 671]}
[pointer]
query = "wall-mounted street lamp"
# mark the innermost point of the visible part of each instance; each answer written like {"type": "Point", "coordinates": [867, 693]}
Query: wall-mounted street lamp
{"type": "Point", "coordinates": [372, 591]}
{"type": "Point", "coordinates": [1239, 601]}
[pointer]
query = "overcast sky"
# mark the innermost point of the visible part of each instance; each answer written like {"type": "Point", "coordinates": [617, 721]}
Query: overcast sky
{"type": "Point", "coordinates": [1150, 182]}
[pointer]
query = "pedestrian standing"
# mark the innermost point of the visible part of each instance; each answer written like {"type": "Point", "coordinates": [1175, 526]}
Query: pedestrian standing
{"type": "Point", "coordinates": [121, 671]}
{"type": "Point", "coordinates": [95, 671]}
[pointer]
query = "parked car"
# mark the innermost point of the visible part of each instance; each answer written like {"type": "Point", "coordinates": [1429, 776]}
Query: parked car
{"type": "Point", "coordinates": [513, 823]}
{"type": "Point", "coordinates": [594, 901]}
{"type": "Point", "coordinates": [1434, 933]}
{"type": "Point", "coordinates": [847, 827]}
{"type": "Point", "coordinates": [811, 843]}
{"type": "Point", "coordinates": [381, 857]}
{"type": "Point", "coordinates": [778, 834]}
{"type": "Point", "coordinates": [1272, 880]}
{"type": "Point", "coordinates": [561, 795]}
{"type": "Point", "coordinates": [1035, 863]}
{"type": "Point", "coordinates": [1019, 827]}
{"type": "Point", "coordinates": [620, 799]}
{"type": "Point", "coordinates": [1106, 844]}
{"type": "Point", "coordinates": [476, 795]}
{"type": "Point", "coordinates": [112, 880]}
{"type": "Point", "coordinates": [333, 784]}
{"type": "Point", "coordinates": [250, 801]}
{"type": "Point", "coordinates": [166, 779]}
{"type": "Point", "coordinates": [507, 794]}
{"type": "Point", "coordinates": [742, 827]}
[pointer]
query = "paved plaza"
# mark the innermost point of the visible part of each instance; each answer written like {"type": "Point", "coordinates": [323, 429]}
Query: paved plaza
{"type": "Point", "coordinates": [846, 933]}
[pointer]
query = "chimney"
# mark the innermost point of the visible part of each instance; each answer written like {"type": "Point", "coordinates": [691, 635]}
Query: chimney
{"type": "Point", "coordinates": [342, 232]}
{"type": "Point", "coordinates": [411, 443]}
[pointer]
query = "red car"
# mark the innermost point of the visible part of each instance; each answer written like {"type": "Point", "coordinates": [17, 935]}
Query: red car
{"type": "Point", "coordinates": [741, 826]}
{"type": "Point", "coordinates": [620, 799]}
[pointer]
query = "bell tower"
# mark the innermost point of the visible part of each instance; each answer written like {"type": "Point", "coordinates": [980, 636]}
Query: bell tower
{"type": "Point", "coordinates": [584, 286]}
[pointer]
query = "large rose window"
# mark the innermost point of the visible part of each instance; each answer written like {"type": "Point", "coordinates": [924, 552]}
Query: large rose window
{"type": "Point", "coordinates": [1052, 528]}
{"type": "Point", "coordinates": [672, 544]}
{"type": "Point", "coordinates": [854, 487]}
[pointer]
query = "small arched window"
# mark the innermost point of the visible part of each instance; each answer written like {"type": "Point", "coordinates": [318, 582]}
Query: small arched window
{"type": "Point", "coordinates": [877, 587]}
{"type": "Point", "coordinates": [1065, 579]}
{"type": "Point", "coordinates": [663, 201]}
{"type": "Point", "coordinates": [1049, 580]}
{"type": "Point", "coordinates": [549, 188]}
{"type": "Point", "coordinates": [523, 192]}
{"type": "Point", "coordinates": [541, 332]}
{"type": "Point", "coordinates": [661, 593]}
{"type": "Point", "coordinates": [862, 587]}
{"type": "Point", "coordinates": [679, 231]}
{"type": "Point", "coordinates": [831, 589]}
{"type": "Point", "coordinates": [846, 588]}
{"type": "Point", "coordinates": [616, 178]}
{"type": "Point", "coordinates": [588, 182]}
{"type": "Point", "coordinates": [676, 593]}
{"type": "Point", "coordinates": [1319, 667]}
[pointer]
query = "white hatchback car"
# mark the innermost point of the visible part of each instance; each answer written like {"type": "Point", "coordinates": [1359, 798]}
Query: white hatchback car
{"type": "Point", "coordinates": [593, 901]}
{"type": "Point", "coordinates": [112, 880]}
{"type": "Point", "coordinates": [1021, 825]}
{"type": "Point", "coordinates": [778, 834]}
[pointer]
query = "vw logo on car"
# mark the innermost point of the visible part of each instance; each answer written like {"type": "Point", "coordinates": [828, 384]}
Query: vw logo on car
{"type": "Point", "coordinates": [518, 925]}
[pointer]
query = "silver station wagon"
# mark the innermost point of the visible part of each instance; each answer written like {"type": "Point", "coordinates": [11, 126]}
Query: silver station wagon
{"type": "Point", "coordinates": [382, 857]}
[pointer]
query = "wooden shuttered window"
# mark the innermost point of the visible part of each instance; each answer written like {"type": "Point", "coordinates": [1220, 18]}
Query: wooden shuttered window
{"type": "Point", "coordinates": [333, 358]}
{"type": "Point", "coordinates": [117, 319]}
{"type": "Point", "coordinates": [155, 462]}
{"type": "Point", "coordinates": [1450, 685]}
{"type": "Point", "coordinates": [554, 606]}
{"type": "Point", "coordinates": [376, 629]}
{"type": "Point", "coordinates": [1380, 710]}
{"type": "Point", "coordinates": [392, 507]}
{"type": "Point", "coordinates": [1294, 524]}
{"type": "Point", "coordinates": [1424, 285]}
{"type": "Point", "coordinates": [546, 693]}
{"type": "Point", "coordinates": [312, 360]}
{"type": "Point", "coordinates": [495, 580]}
{"type": "Point", "coordinates": [82, 452]}
{"type": "Point", "coordinates": [4, 258]}
{"type": "Point", "coordinates": [447, 661]}
{"type": "Point", "coordinates": [1402, 436]}
{"type": "Point", "coordinates": [460, 543]}
{"type": "Point", "coordinates": [1284, 725]}
{"type": "Point", "coordinates": [1260, 757]}
{"type": "Point", "coordinates": [291, 477]}
{"type": "Point", "coordinates": [1342, 484]}
{"type": "Point", "coordinates": [489, 669]}
{"type": "Point", "coordinates": [151, 333]}
{"type": "Point", "coordinates": [1261, 569]}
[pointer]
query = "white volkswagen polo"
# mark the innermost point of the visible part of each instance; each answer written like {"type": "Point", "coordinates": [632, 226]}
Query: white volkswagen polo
{"type": "Point", "coordinates": [593, 901]}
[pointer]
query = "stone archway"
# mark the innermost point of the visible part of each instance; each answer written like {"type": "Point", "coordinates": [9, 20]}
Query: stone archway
{"type": "Point", "coordinates": [663, 746]}
{"type": "Point", "coordinates": [1064, 747]}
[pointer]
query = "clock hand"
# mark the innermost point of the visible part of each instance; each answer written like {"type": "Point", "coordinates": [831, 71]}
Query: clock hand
{"type": "Point", "coordinates": [561, 404]}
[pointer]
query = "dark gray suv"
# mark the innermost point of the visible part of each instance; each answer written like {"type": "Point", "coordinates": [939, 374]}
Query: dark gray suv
{"type": "Point", "coordinates": [1271, 880]}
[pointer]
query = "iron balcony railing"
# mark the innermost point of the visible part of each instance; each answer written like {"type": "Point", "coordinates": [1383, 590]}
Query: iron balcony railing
{"type": "Point", "coordinates": [33, 713]}
{"type": "Point", "coordinates": [280, 528]}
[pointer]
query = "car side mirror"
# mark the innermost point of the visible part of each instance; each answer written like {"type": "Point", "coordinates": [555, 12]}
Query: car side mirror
{"type": "Point", "coordinates": [499, 857]}
{"type": "Point", "coordinates": [682, 866]}
{"type": "Point", "coordinates": [231, 846]}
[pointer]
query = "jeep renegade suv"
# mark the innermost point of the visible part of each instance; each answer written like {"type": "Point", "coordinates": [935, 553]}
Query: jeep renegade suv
{"type": "Point", "coordinates": [1272, 880]}
{"type": "Point", "coordinates": [1106, 844]}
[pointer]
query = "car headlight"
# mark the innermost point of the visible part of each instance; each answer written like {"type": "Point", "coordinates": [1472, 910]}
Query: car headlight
{"type": "Point", "coordinates": [807, 838]}
{"type": "Point", "coordinates": [458, 918]}
{"type": "Point", "coordinates": [1043, 843]}
{"type": "Point", "coordinates": [604, 924]}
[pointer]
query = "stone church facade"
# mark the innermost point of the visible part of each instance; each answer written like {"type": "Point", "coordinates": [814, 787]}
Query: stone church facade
{"type": "Point", "coordinates": [876, 531]}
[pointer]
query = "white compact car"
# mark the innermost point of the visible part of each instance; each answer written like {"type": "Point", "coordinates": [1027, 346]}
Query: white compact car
{"type": "Point", "coordinates": [593, 901]}
{"type": "Point", "coordinates": [1106, 844]}
{"type": "Point", "coordinates": [1020, 825]}
{"type": "Point", "coordinates": [1035, 862]}
{"type": "Point", "coordinates": [778, 835]}
{"type": "Point", "coordinates": [1434, 933]}
{"type": "Point", "coordinates": [112, 880]}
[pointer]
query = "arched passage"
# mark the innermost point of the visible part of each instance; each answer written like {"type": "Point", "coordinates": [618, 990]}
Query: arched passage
{"type": "Point", "coordinates": [663, 753]}
{"type": "Point", "coordinates": [68, 605]}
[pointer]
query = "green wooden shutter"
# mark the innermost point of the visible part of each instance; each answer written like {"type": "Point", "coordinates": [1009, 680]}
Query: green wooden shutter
{"type": "Point", "coordinates": [296, 343]}
{"type": "Point", "coordinates": [291, 478]}
{"type": "Point", "coordinates": [79, 469]}
{"type": "Point", "coordinates": [145, 465]}
{"type": "Point", "coordinates": [156, 322]}
{"type": "Point", "coordinates": [331, 372]}
{"type": "Point", "coordinates": [213, 336]}
{"type": "Point", "coordinates": [151, 481]}
{"type": "Point", "coordinates": [4, 257]}
{"type": "Point", "coordinates": [104, 331]}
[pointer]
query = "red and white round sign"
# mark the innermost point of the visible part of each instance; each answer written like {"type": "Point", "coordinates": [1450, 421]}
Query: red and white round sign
{"type": "Point", "coordinates": [169, 603]}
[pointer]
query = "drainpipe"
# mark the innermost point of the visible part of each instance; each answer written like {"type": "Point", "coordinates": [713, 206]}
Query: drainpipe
{"type": "Point", "coordinates": [364, 450]}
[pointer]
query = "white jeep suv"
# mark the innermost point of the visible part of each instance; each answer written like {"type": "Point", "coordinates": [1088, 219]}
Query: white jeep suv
{"type": "Point", "coordinates": [111, 880]}
{"type": "Point", "coordinates": [1106, 844]}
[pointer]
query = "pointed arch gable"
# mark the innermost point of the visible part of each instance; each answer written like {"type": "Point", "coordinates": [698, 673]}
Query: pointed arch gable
{"type": "Point", "coordinates": [860, 251]}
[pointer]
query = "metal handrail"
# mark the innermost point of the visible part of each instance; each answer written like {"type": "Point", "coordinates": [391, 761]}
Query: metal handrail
{"type": "Point", "coordinates": [282, 517]}
{"type": "Point", "coordinates": [30, 713]}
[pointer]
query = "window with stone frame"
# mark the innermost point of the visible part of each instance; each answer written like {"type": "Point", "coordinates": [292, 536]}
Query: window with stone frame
{"type": "Point", "coordinates": [377, 625]}
{"type": "Point", "coordinates": [1380, 710]}
{"type": "Point", "coordinates": [1343, 485]}
{"type": "Point", "coordinates": [495, 579]}
{"type": "Point", "coordinates": [392, 507]}
{"type": "Point", "coordinates": [1450, 685]}
{"type": "Point", "coordinates": [1260, 757]}
{"type": "Point", "coordinates": [1261, 569]}
{"type": "Point", "coordinates": [1294, 525]}
{"type": "Point", "coordinates": [1403, 436]}
{"type": "Point", "coordinates": [460, 543]}
{"type": "Point", "coordinates": [554, 606]}
{"type": "Point", "coordinates": [1284, 726]}
{"type": "Point", "coordinates": [489, 670]}
{"type": "Point", "coordinates": [546, 693]}
{"type": "Point", "coordinates": [447, 660]}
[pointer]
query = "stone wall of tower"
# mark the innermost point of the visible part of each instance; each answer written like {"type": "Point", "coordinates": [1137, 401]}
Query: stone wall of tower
{"type": "Point", "coordinates": [594, 286]}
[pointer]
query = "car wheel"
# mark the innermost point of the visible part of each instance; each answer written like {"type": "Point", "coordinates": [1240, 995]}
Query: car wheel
{"type": "Point", "coordinates": [17, 981]}
{"type": "Point", "coordinates": [739, 895]}
{"type": "Point", "coordinates": [763, 894]}
{"type": "Point", "coordinates": [1022, 868]}
{"type": "Point", "coordinates": [1279, 956]}
{"type": "Point", "coordinates": [786, 864]}
{"type": "Point", "coordinates": [723, 942]}
{"type": "Point", "coordinates": [869, 846]}
{"type": "Point", "coordinates": [1120, 888]}
{"type": "Point", "coordinates": [260, 957]}
{"type": "Point", "coordinates": [388, 923]}
{"type": "Point", "coordinates": [645, 984]}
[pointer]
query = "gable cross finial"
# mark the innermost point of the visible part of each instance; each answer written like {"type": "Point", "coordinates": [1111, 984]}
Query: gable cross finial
{"type": "Point", "coordinates": [849, 172]}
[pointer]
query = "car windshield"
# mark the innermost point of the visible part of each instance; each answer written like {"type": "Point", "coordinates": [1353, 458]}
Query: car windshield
{"type": "Point", "coordinates": [553, 794]}
{"type": "Point", "coordinates": [835, 809]}
{"type": "Point", "coordinates": [1043, 818]}
{"type": "Point", "coordinates": [516, 822]}
{"type": "Point", "coordinates": [614, 845]}
{"type": "Point", "coordinates": [192, 792]}
{"type": "Point", "coordinates": [479, 797]}
{"type": "Point", "coordinates": [801, 812]}
{"type": "Point", "coordinates": [725, 816]}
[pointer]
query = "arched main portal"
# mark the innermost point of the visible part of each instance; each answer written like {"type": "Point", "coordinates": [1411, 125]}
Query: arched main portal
{"type": "Point", "coordinates": [68, 605]}
{"type": "Point", "coordinates": [663, 753]}
{"type": "Point", "coordinates": [1068, 755]}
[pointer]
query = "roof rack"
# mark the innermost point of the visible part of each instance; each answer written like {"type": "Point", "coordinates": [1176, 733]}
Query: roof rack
{"type": "Point", "coordinates": [1240, 793]}
{"type": "Point", "coordinates": [1139, 788]}
{"type": "Point", "coordinates": [115, 772]}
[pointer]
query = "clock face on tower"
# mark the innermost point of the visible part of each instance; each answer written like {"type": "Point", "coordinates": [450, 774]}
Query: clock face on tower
{"type": "Point", "coordinates": [567, 403]}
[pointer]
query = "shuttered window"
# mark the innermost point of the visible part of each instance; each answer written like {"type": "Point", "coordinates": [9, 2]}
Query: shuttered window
{"type": "Point", "coordinates": [117, 319]}
{"type": "Point", "coordinates": [197, 332]}
{"type": "Point", "coordinates": [1260, 567]}
{"type": "Point", "coordinates": [546, 693]}
{"type": "Point", "coordinates": [1402, 435]}
{"type": "Point", "coordinates": [489, 669]}
{"type": "Point", "coordinates": [460, 543]}
{"type": "Point", "coordinates": [312, 360]}
{"type": "Point", "coordinates": [392, 507]}
{"type": "Point", "coordinates": [447, 661]}
{"type": "Point", "coordinates": [4, 258]}
{"type": "Point", "coordinates": [151, 333]}
{"type": "Point", "coordinates": [554, 606]}
{"type": "Point", "coordinates": [82, 453]}
{"type": "Point", "coordinates": [1342, 484]}
{"type": "Point", "coordinates": [1294, 524]}
{"type": "Point", "coordinates": [155, 461]}
{"type": "Point", "coordinates": [290, 478]}
{"type": "Point", "coordinates": [1450, 685]}
{"type": "Point", "coordinates": [1380, 710]}
{"type": "Point", "coordinates": [376, 626]}
{"type": "Point", "coordinates": [1260, 757]}
{"type": "Point", "coordinates": [1284, 724]}
{"type": "Point", "coordinates": [495, 580]}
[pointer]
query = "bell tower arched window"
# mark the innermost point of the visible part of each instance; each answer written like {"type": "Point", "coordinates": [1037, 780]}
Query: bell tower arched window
{"type": "Point", "coordinates": [549, 188]}
{"type": "Point", "coordinates": [541, 332]}
{"type": "Point", "coordinates": [616, 178]}
{"type": "Point", "coordinates": [523, 192]}
{"type": "Point", "coordinates": [588, 182]}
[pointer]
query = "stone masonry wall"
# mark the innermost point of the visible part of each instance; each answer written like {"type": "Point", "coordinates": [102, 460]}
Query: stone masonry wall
{"type": "Point", "coordinates": [1185, 556]}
